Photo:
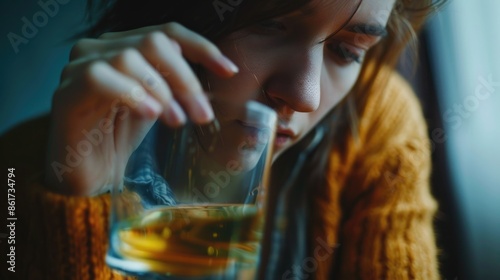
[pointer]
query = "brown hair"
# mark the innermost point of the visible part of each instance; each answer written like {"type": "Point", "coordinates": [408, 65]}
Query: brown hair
{"type": "Point", "coordinates": [204, 17]}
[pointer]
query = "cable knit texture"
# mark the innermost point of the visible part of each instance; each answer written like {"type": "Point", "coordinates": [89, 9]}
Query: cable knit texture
{"type": "Point", "coordinates": [375, 214]}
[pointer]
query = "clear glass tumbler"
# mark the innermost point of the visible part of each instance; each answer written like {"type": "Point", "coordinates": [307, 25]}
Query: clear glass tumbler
{"type": "Point", "coordinates": [192, 201]}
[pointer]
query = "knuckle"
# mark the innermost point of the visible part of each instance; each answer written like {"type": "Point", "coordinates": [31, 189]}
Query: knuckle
{"type": "Point", "coordinates": [173, 27]}
{"type": "Point", "coordinates": [135, 95]}
{"type": "Point", "coordinates": [80, 48]}
{"type": "Point", "coordinates": [127, 58]}
{"type": "Point", "coordinates": [92, 73]}
{"type": "Point", "coordinates": [154, 40]}
{"type": "Point", "coordinates": [76, 50]}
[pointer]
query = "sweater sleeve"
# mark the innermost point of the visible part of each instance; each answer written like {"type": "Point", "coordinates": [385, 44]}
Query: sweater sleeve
{"type": "Point", "coordinates": [387, 225]}
{"type": "Point", "coordinates": [57, 236]}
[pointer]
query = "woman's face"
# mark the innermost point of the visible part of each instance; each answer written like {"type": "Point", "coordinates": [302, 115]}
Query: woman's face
{"type": "Point", "coordinates": [296, 66]}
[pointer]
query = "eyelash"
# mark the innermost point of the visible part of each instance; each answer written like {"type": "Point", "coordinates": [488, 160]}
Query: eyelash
{"type": "Point", "coordinates": [340, 49]}
{"type": "Point", "coordinates": [345, 53]}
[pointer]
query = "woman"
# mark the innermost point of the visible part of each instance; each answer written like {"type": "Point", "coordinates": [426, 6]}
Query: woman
{"type": "Point", "coordinates": [361, 206]}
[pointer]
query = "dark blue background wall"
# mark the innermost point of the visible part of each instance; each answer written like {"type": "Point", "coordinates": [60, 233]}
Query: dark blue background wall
{"type": "Point", "coordinates": [30, 75]}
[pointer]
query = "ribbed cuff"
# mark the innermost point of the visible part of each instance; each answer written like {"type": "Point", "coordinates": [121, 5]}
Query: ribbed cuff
{"type": "Point", "coordinates": [69, 235]}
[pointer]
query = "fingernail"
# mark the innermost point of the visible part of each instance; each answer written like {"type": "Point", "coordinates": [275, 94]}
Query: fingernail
{"type": "Point", "coordinates": [204, 112]}
{"type": "Point", "coordinates": [228, 64]}
{"type": "Point", "coordinates": [175, 115]}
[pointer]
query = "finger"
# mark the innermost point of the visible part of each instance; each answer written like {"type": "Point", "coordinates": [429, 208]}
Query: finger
{"type": "Point", "coordinates": [84, 48]}
{"type": "Point", "coordinates": [195, 47]}
{"type": "Point", "coordinates": [117, 88]}
{"type": "Point", "coordinates": [198, 49]}
{"type": "Point", "coordinates": [157, 50]}
{"type": "Point", "coordinates": [186, 87]}
{"type": "Point", "coordinates": [91, 49]}
{"type": "Point", "coordinates": [132, 63]}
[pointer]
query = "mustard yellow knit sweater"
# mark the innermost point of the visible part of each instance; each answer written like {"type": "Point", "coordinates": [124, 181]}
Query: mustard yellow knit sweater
{"type": "Point", "coordinates": [375, 215]}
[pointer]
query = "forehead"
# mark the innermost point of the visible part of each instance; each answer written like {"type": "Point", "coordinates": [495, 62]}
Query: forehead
{"type": "Point", "coordinates": [374, 11]}
{"type": "Point", "coordinates": [368, 11]}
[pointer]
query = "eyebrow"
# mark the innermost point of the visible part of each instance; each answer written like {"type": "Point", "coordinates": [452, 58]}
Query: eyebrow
{"type": "Point", "coordinates": [376, 30]}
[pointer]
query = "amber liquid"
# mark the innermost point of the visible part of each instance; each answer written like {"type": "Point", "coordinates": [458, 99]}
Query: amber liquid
{"type": "Point", "coordinates": [194, 240]}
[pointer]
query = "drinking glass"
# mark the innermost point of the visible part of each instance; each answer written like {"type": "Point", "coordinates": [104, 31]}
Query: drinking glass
{"type": "Point", "coordinates": [192, 201]}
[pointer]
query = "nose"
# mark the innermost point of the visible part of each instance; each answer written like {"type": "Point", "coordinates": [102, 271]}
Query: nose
{"type": "Point", "coordinates": [295, 83]}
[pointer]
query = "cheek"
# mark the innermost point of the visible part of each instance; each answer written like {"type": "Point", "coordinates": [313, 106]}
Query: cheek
{"type": "Point", "coordinates": [335, 85]}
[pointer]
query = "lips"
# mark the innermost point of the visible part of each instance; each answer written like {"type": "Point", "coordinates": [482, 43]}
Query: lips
{"type": "Point", "coordinates": [285, 132]}
{"type": "Point", "coordinates": [284, 137]}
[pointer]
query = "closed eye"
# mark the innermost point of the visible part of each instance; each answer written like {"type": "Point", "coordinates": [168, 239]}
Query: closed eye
{"type": "Point", "coordinates": [345, 53]}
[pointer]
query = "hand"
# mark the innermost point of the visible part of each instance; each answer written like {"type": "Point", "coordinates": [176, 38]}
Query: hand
{"type": "Point", "coordinates": [113, 90]}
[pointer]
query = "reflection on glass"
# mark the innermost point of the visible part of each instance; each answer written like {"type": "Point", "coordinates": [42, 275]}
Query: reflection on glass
{"type": "Point", "coordinates": [192, 203]}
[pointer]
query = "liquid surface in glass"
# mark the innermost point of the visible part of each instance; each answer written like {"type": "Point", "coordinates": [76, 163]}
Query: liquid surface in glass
{"type": "Point", "coordinates": [193, 240]}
